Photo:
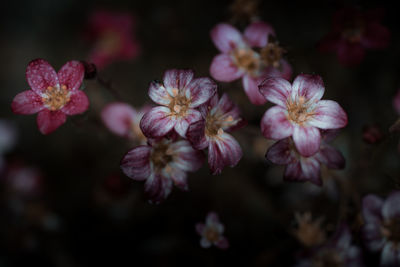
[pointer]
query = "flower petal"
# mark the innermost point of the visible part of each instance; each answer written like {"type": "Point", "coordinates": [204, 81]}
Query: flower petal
{"type": "Point", "coordinates": [222, 243]}
{"type": "Point", "coordinates": [159, 94]}
{"type": "Point", "coordinates": [396, 102]}
{"type": "Point", "coordinates": [182, 124]}
{"type": "Point", "coordinates": [223, 151]}
{"type": "Point", "coordinates": [350, 54]}
{"type": "Point", "coordinates": [376, 36]}
{"type": "Point", "coordinates": [177, 79]}
{"type": "Point", "coordinates": [391, 207]}
{"type": "Point", "coordinates": [331, 157]}
{"type": "Point", "coordinates": [212, 218]}
{"type": "Point", "coordinates": [157, 122]}
{"type": "Point", "coordinates": [371, 208]}
{"type": "Point", "coordinates": [71, 75]}
{"type": "Point", "coordinates": [179, 177]}
{"type": "Point", "coordinates": [157, 188]}
{"type": "Point", "coordinates": [389, 255]}
{"type": "Point", "coordinates": [257, 34]}
{"type": "Point", "coordinates": [136, 163]}
{"type": "Point", "coordinates": [48, 121]}
{"type": "Point", "coordinates": [223, 69]}
{"type": "Point", "coordinates": [27, 102]}
{"type": "Point", "coordinates": [275, 125]}
{"type": "Point", "coordinates": [186, 158]}
{"type": "Point", "coordinates": [200, 90]}
{"type": "Point", "coordinates": [196, 135]}
{"type": "Point", "coordinates": [280, 152]}
{"type": "Point", "coordinates": [328, 114]}
{"type": "Point", "coordinates": [311, 170]}
{"type": "Point", "coordinates": [276, 90]}
{"type": "Point", "coordinates": [226, 37]}
{"type": "Point", "coordinates": [307, 140]}
{"type": "Point", "coordinates": [309, 86]}
{"type": "Point", "coordinates": [250, 86]}
{"type": "Point", "coordinates": [118, 117]}
{"type": "Point", "coordinates": [205, 243]}
{"type": "Point", "coordinates": [77, 104]}
{"type": "Point", "coordinates": [40, 75]}
{"type": "Point", "coordinates": [285, 69]}
{"type": "Point", "coordinates": [372, 234]}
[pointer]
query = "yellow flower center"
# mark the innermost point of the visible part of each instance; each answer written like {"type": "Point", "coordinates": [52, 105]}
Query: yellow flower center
{"type": "Point", "coordinates": [212, 235]}
{"type": "Point", "coordinates": [271, 54]}
{"type": "Point", "coordinates": [299, 110]}
{"type": "Point", "coordinates": [247, 59]}
{"type": "Point", "coordinates": [216, 123]}
{"type": "Point", "coordinates": [161, 156]}
{"type": "Point", "coordinates": [179, 104]}
{"type": "Point", "coordinates": [54, 98]}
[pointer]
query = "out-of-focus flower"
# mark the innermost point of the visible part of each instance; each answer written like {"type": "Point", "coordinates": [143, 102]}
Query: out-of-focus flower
{"type": "Point", "coordinates": [178, 96]}
{"type": "Point", "coordinates": [219, 117]}
{"type": "Point", "coordinates": [396, 102]}
{"type": "Point", "coordinates": [161, 164]}
{"type": "Point", "coordinates": [299, 112]}
{"type": "Point", "coordinates": [53, 95]}
{"type": "Point", "coordinates": [211, 232]}
{"type": "Point", "coordinates": [8, 137]}
{"type": "Point", "coordinates": [246, 10]}
{"type": "Point", "coordinates": [372, 134]}
{"type": "Point", "coordinates": [123, 120]}
{"type": "Point", "coordinates": [309, 231]}
{"type": "Point", "coordinates": [113, 37]}
{"type": "Point", "coordinates": [353, 32]}
{"type": "Point", "coordinates": [252, 56]}
{"type": "Point", "coordinates": [300, 168]}
{"type": "Point", "coordinates": [381, 229]}
{"type": "Point", "coordinates": [338, 251]}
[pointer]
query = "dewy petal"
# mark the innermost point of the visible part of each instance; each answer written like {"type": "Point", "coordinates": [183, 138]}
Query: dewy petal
{"type": "Point", "coordinates": [157, 188]}
{"type": "Point", "coordinates": [306, 139]}
{"type": "Point", "coordinates": [309, 86]}
{"type": "Point", "coordinates": [350, 54]}
{"type": "Point", "coordinates": [48, 121]}
{"type": "Point", "coordinates": [200, 91]}
{"type": "Point", "coordinates": [182, 124]}
{"type": "Point", "coordinates": [157, 122]}
{"type": "Point", "coordinates": [177, 79]}
{"type": "Point", "coordinates": [226, 37]}
{"type": "Point", "coordinates": [223, 151]}
{"type": "Point", "coordinates": [311, 170]}
{"type": "Point", "coordinates": [40, 75]}
{"type": "Point", "coordinates": [389, 255]}
{"type": "Point", "coordinates": [328, 114]}
{"type": "Point", "coordinates": [196, 135]}
{"type": "Point", "coordinates": [250, 86]}
{"type": "Point", "coordinates": [371, 208]}
{"type": "Point", "coordinates": [159, 94]}
{"type": "Point", "coordinates": [276, 90]}
{"type": "Point", "coordinates": [275, 125]}
{"type": "Point", "coordinates": [71, 75]}
{"type": "Point", "coordinates": [118, 117]}
{"type": "Point", "coordinates": [280, 152]}
{"type": "Point", "coordinates": [77, 104]}
{"type": "Point", "coordinates": [186, 158]}
{"type": "Point", "coordinates": [391, 207]}
{"type": "Point", "coordinates": [136, 163]}
{"type": "Point", "coordinates": [27, 102]}
{"type": "Point", "coordinates": [223, 69]}
{"type": "Point", "coordinates": [331, 157]}
{"type": "Point", "coordinates": [257, 34]}
{"type": "Point", "coordinates": [222, 243]}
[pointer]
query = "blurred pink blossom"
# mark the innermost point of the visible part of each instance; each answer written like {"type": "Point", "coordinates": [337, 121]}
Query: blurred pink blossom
{"type": "Point", "coordinates": [212, 232]}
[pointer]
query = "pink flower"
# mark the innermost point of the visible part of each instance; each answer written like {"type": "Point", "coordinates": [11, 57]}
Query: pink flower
{"type": "Point", "coordinates": [123, 120]}
{"type": "Point", "coordinates": [251, 56]}
{"type": "Point", "coordinates": [161, 164]}
{"type": "Point", "coordinates": [299, 112]}
{"type": "Point", "coordinates": [218, 118]}
{"type": "Point", "coordinates": [53, 95]}
{"type": "Point", "coordinates": [112, 34]}
{"type": "Point", "coordinates": [178, 96]}
{"type": "Point", "coordinates": [353, 32]}
{"type": "Point", "coordinates": [300, 168]}
{"type": "Point", "coordinates": [396, 102]}
{"type": "Point", "coordinates": [211, 232]}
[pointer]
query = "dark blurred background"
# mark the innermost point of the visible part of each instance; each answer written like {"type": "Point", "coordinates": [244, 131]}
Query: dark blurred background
{"type": "Point", "coordinates": [85, 221]}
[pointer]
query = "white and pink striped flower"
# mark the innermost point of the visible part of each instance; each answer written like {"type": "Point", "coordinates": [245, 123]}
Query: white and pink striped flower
{"type": "Point", "coordinates": [123, 120]}
{"type": "Point", "coordinates": [252, 56]}
{"type": "Point", "coordinates": [300, 168]}
{"type": "Point", "coordinates": [299, 112]}
{"type": "Point", "coordinates": [178, 96]}
{"type": "Point", "coordinates": [211, 232]}
{"type": "Point", "coordinates": [162, 163]}
{"type": "Point", "coordinates": [219, 116]}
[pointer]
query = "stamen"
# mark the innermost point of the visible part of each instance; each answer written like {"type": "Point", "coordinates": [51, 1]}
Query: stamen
{"type": "Point", "coordinates": [175, 92]}
{"type": "Point", "coordinates": [177, 108]}
{"type": "Point", "coordinates": [220, 131]}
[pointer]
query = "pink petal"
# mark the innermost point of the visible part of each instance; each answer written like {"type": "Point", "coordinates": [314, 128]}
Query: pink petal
{"type": "Point", "coordinates": [212, 218]}
{"type": "Point", "coordinates": [396, 102]}
{"type": "Point", "coordinates": [222, 243]}
{"type": "Point", "coordinates": [196, 135]}
{"type": "Point", "coordinates": [280, 152]}
{"type": "Point", "coordinates": [200, 91]}
{"type": "Point", "coordinates": [275, 125]}
{"type": "Point", "coordinates": [306, 139]}
{"type": "Point", "coordinates": [157, 122]}
{"type": "Point", "coordinates": [223, 151]}
{"type": "Point", "coordinates": [48, 121]}
{"type": "Point", "coordinates": [328, 115]}
{"type": "Point", "coordinates": [200, 228]}
{"type": "Point", "coordinates": [376, 36]}
{"type": "Point", "coordinates": [204, 243]}
{"type": "Point", "coordinates": [27, 102]}
{"type": "Point", "coordinates": [331, 157]}
{"type": "Point", "coordinates": [179, 178]}
{"type": "Point", "coordinates": [186, 159]}
{"type": "Point", "coordinates": [309, 86]}
{"type": "Point", "coordinates": [250, 86]}
{"type": "Point", "coordinates": [257, 34]}
{"type": "Point", "coordinates": [276, 90]}
{"type": "Point", "coordinates": [182, 124]}
{"type": "Point", "coordinates": [157, 188]}
{"type": "Point", "coordinates": [159, 94]}
{"type": "Point", "coordinates": [285, 69]}
{"type": "Point", "coordinates": [40, 75]}
{"type": "Point", "coordinates": [389, 255]}
{"type": "Point", "coordinates": [226, 38]}
{"type": "Point", "coordinates": [71, 75]}
{"type": "Point", "coordinates": [371, 208]}
{"type": "Point", "coordinates": [350, 54]}
{"type": "Point", "coordinates": [77, 104]}
{"type": "Point", "coordinates": [136, 163]}
{"type": "Point", "coordinates": [391, 206]}
{"type": "Point", "coordinates": [311, 170]}
{"type": "Point", "coordinates": [177, 79]}
{"type": "Point", "coordinates": [223, 69]}
{"type": "Point", "coordinates": [118, 117]}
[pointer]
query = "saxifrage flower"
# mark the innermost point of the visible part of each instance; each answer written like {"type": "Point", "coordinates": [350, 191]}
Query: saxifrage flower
{"type": "Point", "coordinates": [53, 95]}
{"type": "Point", "coordinates": [212, 232]}
{"type": "Point", "coordinates": [178, 96]}
{"type": "Point", "coordinates": [219, 116]}
{"type": "Point", "coordinates": [162, 163]}
{"type": "Point", "coordinates": [252, 56]}
{"type": "Point", "coordinates": [299, 112]}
